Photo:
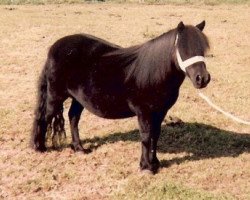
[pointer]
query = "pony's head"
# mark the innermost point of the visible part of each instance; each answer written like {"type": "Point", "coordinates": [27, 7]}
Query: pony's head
{"type": "Point", "coordinates": [190, 47]}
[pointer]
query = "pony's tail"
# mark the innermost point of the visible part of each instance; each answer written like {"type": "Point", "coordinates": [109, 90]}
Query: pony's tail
{"type": "Point", "coordinates": [39, 129]}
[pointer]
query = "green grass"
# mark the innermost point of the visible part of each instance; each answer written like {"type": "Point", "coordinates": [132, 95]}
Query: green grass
{"type": "Point", "coordinates": [162, 190]}
{"type": "Point", "coordinates": [42, 2]}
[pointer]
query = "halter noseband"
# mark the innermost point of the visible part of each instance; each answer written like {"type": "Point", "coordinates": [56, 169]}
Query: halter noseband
{"type": "Point", "coordinates": [184, 64]}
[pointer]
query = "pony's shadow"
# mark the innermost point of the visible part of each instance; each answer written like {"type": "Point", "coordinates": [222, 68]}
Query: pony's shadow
{"type": "Point", "coordinates": [199, 141]}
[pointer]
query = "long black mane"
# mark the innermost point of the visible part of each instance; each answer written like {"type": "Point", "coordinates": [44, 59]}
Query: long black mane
{"type": "Point", "coordinates": [153, 60]}
{"type": "Point", "coordinates": [149, 63]}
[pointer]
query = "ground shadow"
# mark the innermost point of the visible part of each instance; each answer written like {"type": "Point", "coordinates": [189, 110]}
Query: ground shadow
{"type": "Point", "coordinates": [200, 140]}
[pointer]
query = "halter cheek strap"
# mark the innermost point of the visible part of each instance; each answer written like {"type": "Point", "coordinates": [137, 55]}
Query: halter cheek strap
{"type": "Point", "coordinates": [184, 64]}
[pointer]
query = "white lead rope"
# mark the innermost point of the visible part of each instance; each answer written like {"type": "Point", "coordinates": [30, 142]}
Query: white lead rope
{"type": "Point", "coordinates": [222, 111]}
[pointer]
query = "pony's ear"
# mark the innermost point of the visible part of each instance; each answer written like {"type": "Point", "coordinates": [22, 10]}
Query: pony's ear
{"type": "Point", "coordinates": [180, 27]}
{"type": "Point", "coordinates": [201, 25]}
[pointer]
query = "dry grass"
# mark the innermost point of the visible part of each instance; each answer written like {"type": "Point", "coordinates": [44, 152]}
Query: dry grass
{"type": "Point", "coordinates": [174, 2]}
{"type": "Point", "coordinates": [208, 157]}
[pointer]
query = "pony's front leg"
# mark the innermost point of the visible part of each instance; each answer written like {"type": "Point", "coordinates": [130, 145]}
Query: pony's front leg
{"type": "Point", "coordinates": [150, 128]}
{"type": "Point", "coordinates": [74, 114]}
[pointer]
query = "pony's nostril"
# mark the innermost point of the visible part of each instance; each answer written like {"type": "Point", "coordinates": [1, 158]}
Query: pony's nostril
{"type": "Point", "coordinates": [198, 79]}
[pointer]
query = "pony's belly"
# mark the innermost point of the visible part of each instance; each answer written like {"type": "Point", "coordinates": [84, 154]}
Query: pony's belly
{"type": "Point", "coordinates": [104, 105]}
{"type": "Point", "coordinates": [110, 112]}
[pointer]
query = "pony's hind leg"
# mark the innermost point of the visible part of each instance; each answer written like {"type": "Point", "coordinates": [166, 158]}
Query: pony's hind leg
{"type": "Point", "coordinates": [55, 121]}
{"type": "Point", "coordinates": [75, 112]}
{"type": "Point", "coordinates": [59, 134]}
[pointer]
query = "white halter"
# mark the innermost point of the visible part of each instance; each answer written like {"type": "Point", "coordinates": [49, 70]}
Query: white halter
{"type": "Point", "coordinates": [184, 64]}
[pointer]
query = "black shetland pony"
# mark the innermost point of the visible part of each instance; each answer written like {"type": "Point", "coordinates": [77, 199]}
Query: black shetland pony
{"type": "Point", "coordinates": [115, 82]}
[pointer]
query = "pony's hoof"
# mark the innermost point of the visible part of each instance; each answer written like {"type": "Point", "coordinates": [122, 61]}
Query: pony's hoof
{"type": "Point", "coordinates": [146, 172]}
{"type": "Point", "coordinates": [153, 168]}
{"type": "Point", "coordinates": [79, 148]}
{"type": "Point", "coordinates": [41, 149]}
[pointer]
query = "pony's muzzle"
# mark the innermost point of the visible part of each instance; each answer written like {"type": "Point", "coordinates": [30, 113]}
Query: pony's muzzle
{"type": "Point", "coordinates": [202, 80]}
